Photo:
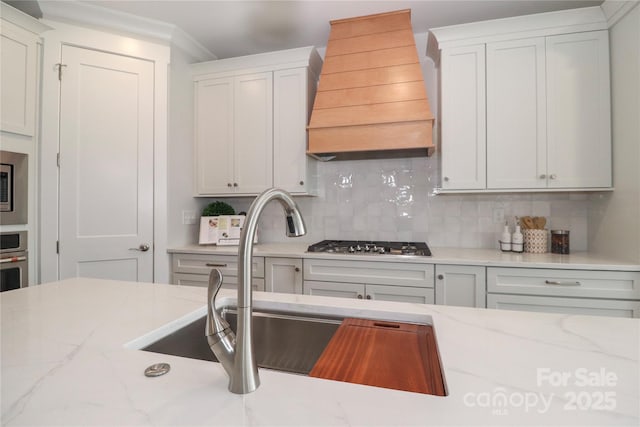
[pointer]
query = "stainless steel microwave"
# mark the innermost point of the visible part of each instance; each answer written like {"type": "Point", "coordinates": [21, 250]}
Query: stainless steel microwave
{"type": "Point", "coordinates": [13, 187]}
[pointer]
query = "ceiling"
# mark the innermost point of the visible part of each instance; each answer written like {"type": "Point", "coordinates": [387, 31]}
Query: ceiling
{"type": "Point", "coordinates": [236, 28]}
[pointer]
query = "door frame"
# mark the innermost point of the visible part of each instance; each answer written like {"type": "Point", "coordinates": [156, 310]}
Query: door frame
{"type": "Point", "coordinates": [48, 220]}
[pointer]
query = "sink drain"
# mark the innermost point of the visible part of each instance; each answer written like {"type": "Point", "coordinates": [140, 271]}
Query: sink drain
{"type": "Point", "coordinates": [157, 370]}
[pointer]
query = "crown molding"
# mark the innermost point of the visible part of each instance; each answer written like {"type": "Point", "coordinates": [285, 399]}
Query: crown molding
{"type": "Point", "coordinates": [108, 19]}
{"type": "Point", "coordinates": [614, 10]}
{"type": "Point", "coordinates": [541, 24]}
{"type": "Point", "coordinates": [21, 19]}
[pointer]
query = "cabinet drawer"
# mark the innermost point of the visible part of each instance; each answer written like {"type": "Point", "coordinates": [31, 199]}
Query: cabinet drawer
{"type": "Point", "coordinates": [377, 273]}
{"type": "Point", "coordinates": [571, 283]}
{"type": "Point", "coordinates": [202, 264]}
{"type": "Point", "coordinates": [202, 280]}
{"type": "Point", "coordinates": [593, 307]}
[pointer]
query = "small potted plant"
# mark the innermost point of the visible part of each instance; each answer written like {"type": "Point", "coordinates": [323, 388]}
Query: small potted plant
{"type": "Point", "coordinates": [212, 226]}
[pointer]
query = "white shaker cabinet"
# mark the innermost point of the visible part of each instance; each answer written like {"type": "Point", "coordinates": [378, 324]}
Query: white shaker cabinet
{"type": "Point", "coordinates": [251, 115]}
{"type": "Point", "coordinates": [516, 114]}
{"type": "Point", "coordinates": [369, 291]}
{"type": "Point", "coordinates": [283, 275]}
{"type": "Point", "coordinates": [293, 94]}
{"type": "Point", "coordinates": [463, 143]}
{"type": "Point", "coordinates": [543, 122]}
{"type": "Point", "coordinates": [461, 285]}
{"type": "Point", "coordinates": [578, 110]}
{"type": "Point", "coordinates": [234, 134]}
{"type": "Point", "coordinates": [19, 74]}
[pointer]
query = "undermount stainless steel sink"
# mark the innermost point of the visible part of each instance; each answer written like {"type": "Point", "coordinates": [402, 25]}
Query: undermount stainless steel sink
{"type": "Point", "coordinates": [283, 341]}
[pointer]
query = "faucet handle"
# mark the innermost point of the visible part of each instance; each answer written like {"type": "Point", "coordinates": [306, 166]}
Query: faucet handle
{"type": "Point", "coordinates": [215, 324]}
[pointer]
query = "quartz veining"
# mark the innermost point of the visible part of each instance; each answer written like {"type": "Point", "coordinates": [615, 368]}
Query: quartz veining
{"type": "Point", "coordinates": [67, 360]}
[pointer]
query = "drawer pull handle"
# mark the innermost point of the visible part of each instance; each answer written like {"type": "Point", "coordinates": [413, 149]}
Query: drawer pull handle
{"type": "Point", "coordinates": [212, 264]}
{"type": "Point", "coordinates": [559, 283]}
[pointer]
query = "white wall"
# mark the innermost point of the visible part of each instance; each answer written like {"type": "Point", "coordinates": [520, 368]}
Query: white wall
{"type": "Point", "coordinates": [180, 152]}
{"type": "Point", "coordinates": [614, 219]}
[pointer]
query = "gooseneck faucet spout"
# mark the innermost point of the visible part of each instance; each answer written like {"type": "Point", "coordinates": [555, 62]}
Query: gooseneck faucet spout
{"type": "Point", "coordinates": [235, 352]}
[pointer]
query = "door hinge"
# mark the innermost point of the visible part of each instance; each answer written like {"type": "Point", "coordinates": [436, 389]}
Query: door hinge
{"type": "Point", "coordinates": [60, 65]}
{"type": "Point", "coordinates": [57, 246]}
{"type": "Point", "coordinates": [58, 159]}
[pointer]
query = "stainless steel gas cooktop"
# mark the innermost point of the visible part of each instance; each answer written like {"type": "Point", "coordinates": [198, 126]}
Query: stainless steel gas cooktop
{"type": "Point", "coordinates": [370, 247]}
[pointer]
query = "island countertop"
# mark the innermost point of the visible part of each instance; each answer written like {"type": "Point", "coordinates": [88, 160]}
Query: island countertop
{"type": "Point", "coordinates": [67, 359]}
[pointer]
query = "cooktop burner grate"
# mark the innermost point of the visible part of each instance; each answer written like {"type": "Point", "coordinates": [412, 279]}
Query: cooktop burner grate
{"type": "Point", "coordinates": [370, 247]}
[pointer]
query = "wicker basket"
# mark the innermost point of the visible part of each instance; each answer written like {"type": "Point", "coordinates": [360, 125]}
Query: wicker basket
{"type": "Point", "coordinates": [535, 241]}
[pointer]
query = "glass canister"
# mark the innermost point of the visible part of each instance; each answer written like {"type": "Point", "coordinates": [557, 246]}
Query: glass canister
{"type": "Point", "coordinates": [560, 242]}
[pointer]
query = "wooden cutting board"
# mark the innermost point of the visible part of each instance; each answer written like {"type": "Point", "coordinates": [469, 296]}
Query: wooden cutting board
{"type": "Point", "coordinates": [401, 356]}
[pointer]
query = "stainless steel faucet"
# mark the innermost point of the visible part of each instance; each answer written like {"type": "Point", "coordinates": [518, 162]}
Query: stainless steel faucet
{"type": "Point", "coordinates": [235, 352]}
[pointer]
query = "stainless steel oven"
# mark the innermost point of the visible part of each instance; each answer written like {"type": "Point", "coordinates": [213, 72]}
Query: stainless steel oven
{"type": "Point", "coordinates": [13, 187]}
{"type": "Point", "coordinates": [14, 261]}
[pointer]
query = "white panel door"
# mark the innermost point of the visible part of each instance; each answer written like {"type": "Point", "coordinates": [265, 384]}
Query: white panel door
{"type": "Point", "coordinates": [578, 110]}
{"type": "Point", "coordinates": [516, 114]}
{"type": "Point", "coordinates": [463, 128]}
{"type": "Point", "coordinates": [106, 166]}
{"type": "Point", "coordinates": [214, 136]}
{"type": "Point", "coordinates": [253, 139]}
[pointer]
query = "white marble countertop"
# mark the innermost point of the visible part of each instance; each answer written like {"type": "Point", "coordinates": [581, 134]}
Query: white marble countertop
{"type": "Point", "coordinates": [487, 257]}
{"type": "Point", "coordinates": [64, 362]}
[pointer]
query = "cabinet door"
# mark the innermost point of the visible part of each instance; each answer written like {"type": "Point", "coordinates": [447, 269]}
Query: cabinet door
{"type": "Point", "coordinates": [202, 281]}
{"type": "Point", "coordinates": [593, 307]}
{"type": "Point", "coordinates": [253, 138]}
{"type": "Point", "coordinates": [463, 121]}
{"type": "Point", "coordinates": [214, 136]}
{"type": "Point", "coordinates": [516, 114]}
{"type": "Point", "coordinates": [283, 275]}
{"type": "Point", "coordinates": [334, 289]}
{"type": "Point", "coordinates": [399, 294]}
{"type": "Point", "coordinates": [18, 74]}
{"type": "Point", "coordinates": [578, 110]}
{"type": "Point", "coordinates": [461, 285]}
{"type": "Point", "coordinates": [292, 93]}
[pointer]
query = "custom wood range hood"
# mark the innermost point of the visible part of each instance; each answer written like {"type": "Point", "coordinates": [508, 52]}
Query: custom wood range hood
{"type": "Point", "coordinates": [371, 99]}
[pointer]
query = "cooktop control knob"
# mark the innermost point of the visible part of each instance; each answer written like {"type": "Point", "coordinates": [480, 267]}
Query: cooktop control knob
{"type": "Point", "coordinates": [351, 249]}
{"type": "Point", "coordinates": [381, 250]}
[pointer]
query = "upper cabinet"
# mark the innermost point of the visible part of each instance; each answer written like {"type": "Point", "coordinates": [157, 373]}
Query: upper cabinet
{"type": "Point", "coordinates": [19, 53]}
{"type": "Point", "coordinates": [251, 115]}
{"type": "Point", "coordinates": [523, 113]}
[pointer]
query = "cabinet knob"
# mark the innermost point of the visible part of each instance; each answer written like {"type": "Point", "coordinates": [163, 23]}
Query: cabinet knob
{"type": "Point", "coordinates": [235, 184]}
{"type": "Point", "coordinates": [446, 178]}
{"type": "Point", "coordinates": [368, 296]}
{"type": "Point", "coordinates": [543, 176]}
{"type": "Point", "coordinates": [359, 296]}
{"type": "Point", "coordinates": [301, 182]}
{"type": "Point", "coordinates": [552, 176]}
{"type": "Point", "coordinates": [440, 277]}
{"type": "Point", "coordinates": [297, 269]}
{"type": "Point", "coordinates": [228, 184]}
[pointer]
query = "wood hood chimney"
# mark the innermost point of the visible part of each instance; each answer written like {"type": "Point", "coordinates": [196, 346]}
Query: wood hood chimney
{"type": "Point", "coordinates": [371, 99]}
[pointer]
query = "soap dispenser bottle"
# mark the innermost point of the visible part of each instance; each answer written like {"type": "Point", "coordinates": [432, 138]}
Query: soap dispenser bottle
{"type": "Point", "coordinates": [517, 240]}
{"type": "Point", "coordinates": [505, 239]}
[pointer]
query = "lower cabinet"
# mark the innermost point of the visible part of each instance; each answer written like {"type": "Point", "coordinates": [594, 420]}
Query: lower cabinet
{"type": "Point", "coordinates": [383, 281]}
{"type": "Point", "coordinates": [194, 269]}
{"type": "Point", "coordinates": [369, 291]}
{"type": "Point", "coordinates": [594, 307]}
{"type": "Point", "coordinates": [283, 275]}
{"type": "Point", "coordinates": [592, 292]}
{"type": "Point", "coordinates": [461, 285]}
{"type": "Point", "coordinates": [228, 282]}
